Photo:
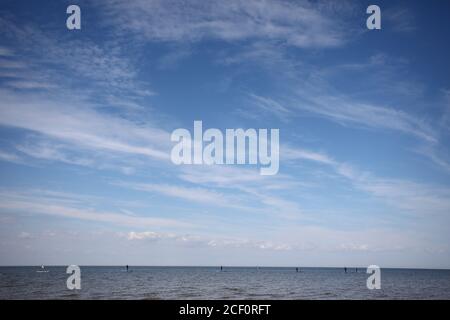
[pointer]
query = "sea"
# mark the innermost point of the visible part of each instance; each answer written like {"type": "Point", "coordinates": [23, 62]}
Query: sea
{"type": "Point", "coordinates": [229, 283]}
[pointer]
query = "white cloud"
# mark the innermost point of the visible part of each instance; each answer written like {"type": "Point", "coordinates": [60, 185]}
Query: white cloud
{"type": "Point", "coordinates": [297, 23]}
{"type": "Point", "coordinates": [12, 64]}
{"type": "Point", "coordinates": [254, 192]}
{"type": "Point", "coordinates": [410, 196]}
{"type": "Point", "coordinates": [222, 175]}
{"type": "Point", "coordinates": [25, 84]}
{"type": "Point", "coordinates": [268, 106]}
{"type": "Point", "coordinates": [208, 241]}
{"type": "Point", "coordinates": [25, 235]}
{"type": "Point", "coordinates": [103, 64]}
{"type": "Point", "coordinates": [6, 52]}
{"type": "Point", "coordinates": [147, 235]}
{"type": "Point", "coordinates": [50, 152]}
{"type": "Point", "coordinates": [291, 153]}
{"type": "Point", "coordinates": [302, 239]}
{"type": "Point", "coordinates": [31, 203]}
{"type": "Point", "coordinates": [173, 58]}
{"type": "Point", "coordinates": [67, 124]}
{"type": "Point", "coordinates": [413, 197]}
{"type": "Point", "coordinates": [192, 194]}
{"type": "Point", "coordinates": [343, 110]}
{"type": "Point", "coordinates": [10, 157]}
{"type": "Point", "coordinates": [82, 126]}
{"type": "Point", "coordinates": [400, 19]}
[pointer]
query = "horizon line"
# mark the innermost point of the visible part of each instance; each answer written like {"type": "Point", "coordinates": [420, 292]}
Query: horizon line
{"type": "Point", "coordinates": [224, 266]}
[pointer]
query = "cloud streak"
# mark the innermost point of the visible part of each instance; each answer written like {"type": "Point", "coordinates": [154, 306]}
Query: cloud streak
{"type": "Point", "coordinates": [296, 24]}
{"type": "Point", "coordinates": [82, 126]}
{"type": "Point", "coordinates": [30, 203]}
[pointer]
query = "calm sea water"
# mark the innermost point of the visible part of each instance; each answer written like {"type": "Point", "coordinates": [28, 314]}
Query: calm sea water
{"type": "Point", "coordinates": [231, 283]}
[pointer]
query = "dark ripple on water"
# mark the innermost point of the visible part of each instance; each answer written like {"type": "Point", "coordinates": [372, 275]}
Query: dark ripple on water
{"type": "Point", "coordinates": [233, 283]}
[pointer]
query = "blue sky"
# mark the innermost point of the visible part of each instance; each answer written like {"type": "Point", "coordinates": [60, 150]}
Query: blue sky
{"type": "Point", "coordinates": [86, 118]}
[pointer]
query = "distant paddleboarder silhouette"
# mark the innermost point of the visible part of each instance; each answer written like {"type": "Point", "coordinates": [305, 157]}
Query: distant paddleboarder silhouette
{"type": "Point", "coordinates": [127, 268]}
{"type": "Point", "coordinates": [221, 268]}
{"type": "Point", "coordinates": [345, 269]}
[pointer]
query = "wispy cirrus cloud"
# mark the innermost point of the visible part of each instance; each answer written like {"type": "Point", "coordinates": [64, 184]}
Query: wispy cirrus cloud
{"type": "Point", "coordinates": [297, 24]}
{"type": "Point", "coordinates": [311, 91]}
{"type": "Point", "coordinates": [10, 157]}
{"type": "Point", "coordinates": [6, 52]}
{"type": "Point", "coordinates": [64, 121]}
{"type": "Point", "coordinates": [412, 197]}
{"type": "Point", "coordinates": [292, 153]}
{"type": "Point", "coordinates": [104, 63]}
{"type": "Point", "coordinates": [342, 110]}
{"type": "Point", "coordinates": [50, 152]}
{"type": "Point", "coordinates": [265, 106]}
{"type": "Point", "coordinates": [241, 196]}
{"type": "Point", "coordinates": [400, 19]}
{"type": "Point", "coordinates": [191, 194]}
{"type": "Point", "coordinates": [83, 99]}
{"type": "Point", "coordinates": [37, 203]}
{"type": "Point", "coordinates": [81, 125]}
